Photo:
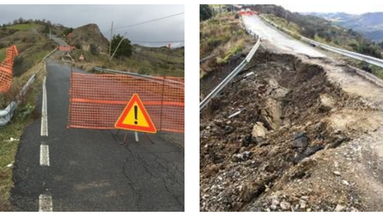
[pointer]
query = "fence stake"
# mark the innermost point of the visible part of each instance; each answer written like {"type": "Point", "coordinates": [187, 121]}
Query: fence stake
{"type": "Point", "coordinates": [162, 102]}
{"type": "Point", "coordinates": [136, 136]}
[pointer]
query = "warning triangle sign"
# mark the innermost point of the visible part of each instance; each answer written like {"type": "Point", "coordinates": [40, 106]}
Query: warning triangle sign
{"type": "Point", "coordinates": [135, 117]}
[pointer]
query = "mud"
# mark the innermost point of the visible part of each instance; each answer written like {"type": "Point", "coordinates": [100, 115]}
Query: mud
{"type": "Point", "coordinates": [271, 156]}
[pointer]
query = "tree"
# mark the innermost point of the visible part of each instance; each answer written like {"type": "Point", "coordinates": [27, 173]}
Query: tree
{"type": "Point", "coordinates": [46, 30]}
{"type": "Point", "coordinates": [125, 48]}
{"type": "Point", "coordinates": [205, 12]}
{"type": "Point", "coordinates": [21, 20]}
{"type": "Point", "coordinates": [67, 31]}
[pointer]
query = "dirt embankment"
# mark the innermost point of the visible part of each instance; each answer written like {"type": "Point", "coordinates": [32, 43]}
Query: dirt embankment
{"type": "Point", "coordinates": [285, 150]}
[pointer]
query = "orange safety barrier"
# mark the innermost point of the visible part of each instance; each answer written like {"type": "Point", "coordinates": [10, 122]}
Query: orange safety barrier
{"type": "Point", "coordinates": [246, 13]}
{"type": "Point", "coordinates": [97, 100]}
{"type": "Point", "coordinates": [6, 69]}
{"type": "Point", "coordinates": [65, 48]}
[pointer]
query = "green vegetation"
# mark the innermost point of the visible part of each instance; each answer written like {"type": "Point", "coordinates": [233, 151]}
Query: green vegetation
{"type": "Point", "coordinates": [282, 23]}
{"type": "Point", "coordinates": [233, 50]}
{"type": "Point", "coordinates": [2, 54]}
{"type": "Point", "coordinates": [144, 60]}
{"type": "Point", "coordinates": [24, 27]}
{"type": "Point", "coordinates": [377, 71]}
{"type": "Point", "coordinates": [8, 150]}
{"type": "Point", "coordinates": [67, 31]}
{"type": "Point", "coordinates": [221, 38]}
{"type": "Point", "coordinates": [205, 12]}
{"type": "Point", "coordinates": [124, 49]}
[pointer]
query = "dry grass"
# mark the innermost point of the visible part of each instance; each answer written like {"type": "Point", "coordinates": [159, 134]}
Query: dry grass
{"type": "Point", "coordinates": [144, 60]}
{"type": "Point", "coordinates": [223, 38]}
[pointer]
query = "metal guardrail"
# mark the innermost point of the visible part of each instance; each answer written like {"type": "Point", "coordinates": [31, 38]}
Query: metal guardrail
{"type": "Point", "coordinates": [7, 114]}
{"type": "Point", "coordinates": [207, 58]}
{"type": "Point", "coordinates": [99, 69]}
{"type": "Point", "coordinates": [147, 77]}
{"type": "Point", "coordinates": [372, 60]}
{"type": "Point", "coordinates": [230, 77]}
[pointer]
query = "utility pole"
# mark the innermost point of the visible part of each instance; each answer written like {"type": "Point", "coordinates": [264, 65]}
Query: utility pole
{"type": "Point", "coordinates": [110, 41]}
{"type": "Point", "coordinates": [122, 39]}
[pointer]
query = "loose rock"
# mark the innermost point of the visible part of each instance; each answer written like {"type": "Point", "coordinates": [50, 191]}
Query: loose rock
{"type": "Point", "coordinates": [285, 205]}
{"type": "Point", "coordinates": [259, 130]}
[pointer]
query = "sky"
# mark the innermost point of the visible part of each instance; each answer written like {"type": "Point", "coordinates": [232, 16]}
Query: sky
{"type": "Point", "coordinates": [326, 6]}
{"type": "Point", "coordinates": [155, 33]}
{"type": "Point", "coordinates": [333, 7]}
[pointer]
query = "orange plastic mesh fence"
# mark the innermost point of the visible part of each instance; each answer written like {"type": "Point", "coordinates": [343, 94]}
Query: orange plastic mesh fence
{"type": "Point", "coordinates": [6, 68]}
{"type": "Point", "coordinates": [64, 48]}
{"type": "Point", "coordinates": [97, 100]}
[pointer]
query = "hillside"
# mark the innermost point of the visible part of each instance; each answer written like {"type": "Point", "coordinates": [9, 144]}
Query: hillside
{"type": "Point", "coordinates": [94, 47]}
{"type": "Point", "coordinates": [368, 24]}
{"type": "Point", "coordinates": [32, 45]}
{"type": "Point", "coordinates": [157, 61]}
{"type": "Point", "coordinates": [89, 38]}
{"type": "Point", "coordinates": [221, 38]}
{"type": "Point", "coordinates": [320, 29]}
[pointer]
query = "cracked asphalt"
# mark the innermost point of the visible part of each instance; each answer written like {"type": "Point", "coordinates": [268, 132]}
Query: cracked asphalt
{"type": "Point", "coordinates": [89, 169]}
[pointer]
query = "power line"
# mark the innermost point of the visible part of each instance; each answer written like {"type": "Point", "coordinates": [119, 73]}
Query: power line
{"type": "Point", "coordinates": [138, 41]}
{"type": "Point", "coordinates": [152, 20]}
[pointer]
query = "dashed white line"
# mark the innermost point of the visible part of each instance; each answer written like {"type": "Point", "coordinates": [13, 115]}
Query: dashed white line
{"type": "Point", "coordinates": [44, 112]}
{"type": "Point", "coordinates": [44, 155]}
{"type": "Point", "coordinates": [45, 203]}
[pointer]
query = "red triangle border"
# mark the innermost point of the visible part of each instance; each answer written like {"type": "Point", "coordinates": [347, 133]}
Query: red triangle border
{"type": "Point", "coordinates": [119, 123]}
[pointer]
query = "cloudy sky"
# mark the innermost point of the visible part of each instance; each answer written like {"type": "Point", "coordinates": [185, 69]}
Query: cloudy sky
{"type": "Point", "coordinates": [143, 24]}
{"type": "Point", "coordinates": [339, 6]}
{"type": "Point", "coordinates": [326, 6]}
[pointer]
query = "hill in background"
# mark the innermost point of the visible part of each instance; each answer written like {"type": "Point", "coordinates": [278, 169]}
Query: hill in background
{"type": "Point", "coordinates": [369, 24]}
{"type": "Point", "coordinates": [90, 39]}
{"type": "Point", "coordinates": [320, 29]}
{"type": "Point", "coordinates": [94, 47]}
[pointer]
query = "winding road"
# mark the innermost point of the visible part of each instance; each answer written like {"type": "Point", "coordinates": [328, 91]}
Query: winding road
{"type": "Point", "coordinates": [284, 42]}
{"type": "Point", "coordinates": [60, 169]}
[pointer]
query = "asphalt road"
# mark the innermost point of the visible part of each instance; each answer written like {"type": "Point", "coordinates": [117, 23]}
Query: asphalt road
{"type": "Point", "coordinates": [278, 39]}
{"type": "Point", "coordinates": [88, 169]}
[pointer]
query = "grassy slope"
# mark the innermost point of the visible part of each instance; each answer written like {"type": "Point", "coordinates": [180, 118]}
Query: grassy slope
{"type": "Point", "coordinates": [282, 23]}
{"type": "Point", "coordinates": [220, 37]}
{"type": "Point", "coordinates": [24, 27]}
{"type": "Point", "coordinates": [152, 61]}
{"type": "Point", "coordinates": [2, 54]}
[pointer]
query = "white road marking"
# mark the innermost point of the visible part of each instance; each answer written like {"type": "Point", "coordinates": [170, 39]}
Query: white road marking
{"type": "Point", "coordinates": [44, 114]}
{"type": "Point", "coordinates": [45, 203]}
{"type": "Point", "coordinates": [44, 155]}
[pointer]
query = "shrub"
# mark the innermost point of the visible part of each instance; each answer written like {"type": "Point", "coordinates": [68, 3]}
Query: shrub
{"type": "Point", "coordinates": [21, 65]}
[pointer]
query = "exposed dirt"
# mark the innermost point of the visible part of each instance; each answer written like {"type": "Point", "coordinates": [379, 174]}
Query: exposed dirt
{"type": "Point", "coordinates": [210, 81]}
{"type": "Point", "coordinates": [303, 140]}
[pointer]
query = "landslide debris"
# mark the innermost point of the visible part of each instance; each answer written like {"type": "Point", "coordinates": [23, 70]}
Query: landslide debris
{"type": "Point", "coordinates": [263, 159]}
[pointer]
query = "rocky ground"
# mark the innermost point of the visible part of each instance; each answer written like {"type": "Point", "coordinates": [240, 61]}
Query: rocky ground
{"type": "Point", "coordinates": [286, 136]}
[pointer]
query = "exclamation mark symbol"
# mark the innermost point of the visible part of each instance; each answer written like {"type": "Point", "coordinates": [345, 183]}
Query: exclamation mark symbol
{"type": "Point", "coordinates": [135, 114]}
